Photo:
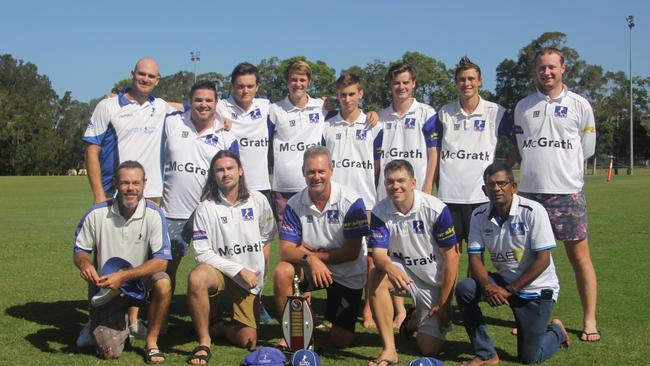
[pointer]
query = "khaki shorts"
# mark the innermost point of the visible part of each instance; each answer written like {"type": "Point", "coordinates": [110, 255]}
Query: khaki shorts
{"type": "Point", "coordinates": [245, 306]}
{"type": "Point", "coordinates": [108, 323]}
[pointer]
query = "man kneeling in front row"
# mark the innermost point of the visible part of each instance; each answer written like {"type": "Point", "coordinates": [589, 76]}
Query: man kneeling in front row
{"type": "Point", "coordinates": [517, 233]}
{"type": "Point", "coordinates": [415, 251]}
{"type": "Point", "coordinates": [134, 232]}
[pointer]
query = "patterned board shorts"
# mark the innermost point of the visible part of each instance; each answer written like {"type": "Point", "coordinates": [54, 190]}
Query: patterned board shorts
{"type": "Point", "coordinates": [567, 212]}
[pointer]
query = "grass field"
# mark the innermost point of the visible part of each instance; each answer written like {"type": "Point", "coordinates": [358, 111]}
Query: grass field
{"type": "Point", "coordinates": [43, 308]}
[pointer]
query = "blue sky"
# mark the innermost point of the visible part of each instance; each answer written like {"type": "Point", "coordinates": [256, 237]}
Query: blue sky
{"type": "Point", "coordinates": [86, 46]}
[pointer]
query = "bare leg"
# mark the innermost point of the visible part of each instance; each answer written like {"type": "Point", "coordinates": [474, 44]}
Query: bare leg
{"type": "Point", "coordinates": [282, 287]}
{"type": "Point", "coordinates": [429, 346]}
{"type": "Point", "coordinates": [160, 299]}
{"type": "Point", "coordinates": [382, 310]}
{"type": "Point", "coordinates": [238, 334]}
{"type": "Point", "coordinates": [400, 311]}
{"type": "Point", "coordinates": [201, 281]}
{"type": "Point", "coordinates": [368, 322]}
{"type": "Point", "coordinates": [580, 258]}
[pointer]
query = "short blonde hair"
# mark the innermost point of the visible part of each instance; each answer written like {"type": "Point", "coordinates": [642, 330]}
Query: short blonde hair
{"type": "Point", "coordinates": [298, 67]}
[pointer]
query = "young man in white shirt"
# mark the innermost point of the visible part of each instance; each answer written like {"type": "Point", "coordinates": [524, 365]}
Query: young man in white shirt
{"type": "Point", "coordinates": [414, 249]}
{"type": "Point", "coordinates": [556, 133]}
{"type": "Point", "coordinates": [233, 227]}
{"type": "Point", "coordinates": [321, 243]}
{"type": "Point", "coordinates": [467, 132]}
{"type": "Point", "coordinates": [190, 141]}
{"type": "Point", "coordinates": [517, 235]}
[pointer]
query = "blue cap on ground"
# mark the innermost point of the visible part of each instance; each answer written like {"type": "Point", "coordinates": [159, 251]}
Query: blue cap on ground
{"type": "Point", "coordinates": [265, 356]}
{"type": "Point", "coordinates": [305, 357]}
{"type": "Point", "coordinates": [134, 289]}
{"type": "Point", "coordinates": [426, 361]}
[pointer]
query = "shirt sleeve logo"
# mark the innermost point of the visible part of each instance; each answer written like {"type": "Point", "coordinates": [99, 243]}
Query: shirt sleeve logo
{"type": "Point", "coordinates": [418, 226]}
{"type": "Point", "coordinates": [247, 214]}
{"type": "Point", "coordinates": [256, 113]}
{"type": "Point", "coordinates": [561, 111]}
{"type": "Point", "coordinates": [332, 216]}
{"type": "Point", "coordinates": [362, 134]}
{"type": "Point", "coordinates": [314, 117]}
{"type": "Point", "coordinates": [479, 124]}
{"type": "Point", "coordinates": [409, 123]}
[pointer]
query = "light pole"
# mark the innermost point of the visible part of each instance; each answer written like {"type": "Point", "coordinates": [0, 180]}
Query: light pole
{"type": "Point", "coordinates": [195, 56]}
{"type": "Point", "coordinates": [630, 24]}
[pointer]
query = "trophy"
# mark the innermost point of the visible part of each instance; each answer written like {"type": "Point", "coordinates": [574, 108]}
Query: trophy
{"type": "Point", "coordinates": [297, 320]}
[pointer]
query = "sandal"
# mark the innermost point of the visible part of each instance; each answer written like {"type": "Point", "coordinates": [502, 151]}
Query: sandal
{"type": "Point", "coordinates": [206, 357]}
{"type": "Point", "coordinates": [150, 353]}
{"type": "Point", "coordinates": [587, 337]}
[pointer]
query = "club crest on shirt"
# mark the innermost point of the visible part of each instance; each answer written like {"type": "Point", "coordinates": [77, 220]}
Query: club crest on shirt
{"type": "Point", "coordinates": [479, 124]}
{"type": "Point", "coordinates": [233, 115]}
{"type": "Point", "coordinates": [362, 134]}
{"type": "Point", "coordinates": [247, 214]}
{"type": "Point", "coordinates": [418, 226]}
{"type": "Point", "coordinates": [388, 125]}
{"type": "Point", "coordinates": [332, 216]}
{"type": "Point", "coordinates": [409, 123]}
{"type": "Point", "coordinates": [457, 126]}
{"type": "Point", "coordinates": [224, 219]}
{"type": "Point", "coordinates": [184, 134]}
{"type": "Point", "coordinates": [211, 139]}
{"type": "Point", "coordinates": [517, 229]}
{"type": "Point", "coordinates": [535, 114]}
{"type": "Point", "coordinates": [561, 111]}
{"type": "Point", "coordinates": [90, 124]}
{"type": "Point", "coordinates": [256, 113]}
{"type": "Point", "coordinates": [292, 123]}
{"type": "Point", "coordinates": [310, 219]}
{"type": "Point", "coordinates": [338, 136]}
{"type": "Point", "coordinates": [314, 117]}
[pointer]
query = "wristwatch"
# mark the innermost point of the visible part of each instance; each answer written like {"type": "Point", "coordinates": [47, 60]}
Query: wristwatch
{"type": "Point", "coordinates": [510, 289]}
{"type": "Point", "coordinates": [303, 260]}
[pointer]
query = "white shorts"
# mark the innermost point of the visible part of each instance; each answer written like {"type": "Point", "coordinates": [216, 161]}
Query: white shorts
{"type": "Point", "coordinates": [424, 296]}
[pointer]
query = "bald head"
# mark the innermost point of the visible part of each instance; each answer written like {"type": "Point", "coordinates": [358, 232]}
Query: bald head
{"type": "Point", "coordinates": [146, 76]}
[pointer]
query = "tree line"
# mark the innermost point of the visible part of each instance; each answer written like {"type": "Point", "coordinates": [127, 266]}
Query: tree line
{"type": "Point", "coordinates": [40, 132]}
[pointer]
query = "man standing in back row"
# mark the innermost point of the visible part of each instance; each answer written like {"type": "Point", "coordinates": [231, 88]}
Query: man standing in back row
{"type": "Point", "coordinates": [556, 133]}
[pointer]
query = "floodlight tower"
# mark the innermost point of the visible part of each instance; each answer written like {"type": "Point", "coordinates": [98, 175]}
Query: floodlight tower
{"type": "Point", "coordinates": [630, 24]}
{"type": "Point", "coordinates": [195, 56]}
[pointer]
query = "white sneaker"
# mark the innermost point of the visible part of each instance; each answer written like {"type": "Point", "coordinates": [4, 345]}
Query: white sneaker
{"type": "Point", "coordinates": [138, 330]}
{"type": "Point", "coordinates": [85, 339]}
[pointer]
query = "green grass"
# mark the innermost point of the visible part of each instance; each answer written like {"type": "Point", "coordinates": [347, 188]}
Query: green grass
{"type": "Point", "coordinates": [43, 309]}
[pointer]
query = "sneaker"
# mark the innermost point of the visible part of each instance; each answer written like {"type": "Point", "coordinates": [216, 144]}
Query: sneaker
{"type": "Point", "coordinates": [138, 330]}
{"type": "Point", "coordinates": [85, 339]}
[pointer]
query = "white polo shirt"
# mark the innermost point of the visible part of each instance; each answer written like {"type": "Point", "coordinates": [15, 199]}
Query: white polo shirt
{"type": "Point", "coordinates": [126, 130]}
{"type": "Point", "coordinates": [343, 217]}
{"type": "Point", "coordinates": [467, 145]}
{"type": "Point", "coordinates": [230, 237]}
{"type": "Point", "coordinates": [105, 232]}
{"type": "Point", "coordinates": [251, 130]}
{"type": "Point", "coordinates": [293, 130]}
{"type": "Point", "coordinates": [414, 239]}
{"type": "Point", "coordinates": [187, 162]}
{"type": "Point", "coordinates": [554, 137]}
{"type": "Point", "coordinates": [407, 137]}
{"type": "Point", "coordinates": [512, 243]}
{"type": "Point", "coordinates": [354, 148]}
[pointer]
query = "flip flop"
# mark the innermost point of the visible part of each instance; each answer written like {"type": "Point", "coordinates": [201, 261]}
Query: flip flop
{"type": "Point", "coordinates": [150, 353]}
{"type": "Point", "coordinates": [206, 357]}
{"type": "Point", "coordinates": [385, 362]}
{"type": "Point", "coordinates": [584, 337]}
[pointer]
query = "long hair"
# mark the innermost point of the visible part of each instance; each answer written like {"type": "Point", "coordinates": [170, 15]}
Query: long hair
{"type": "Point", "coordinates": [211, 189]}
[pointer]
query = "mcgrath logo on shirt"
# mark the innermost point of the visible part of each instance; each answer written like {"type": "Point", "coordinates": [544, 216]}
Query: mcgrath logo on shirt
{"type": "Point", "coordinates": [184, 134]}
{"type": "Point", "coordinates": [561, 111]}
{"type": "Point", "coordinates": [362, 134]}
{"type": "Point", "coordinates": [211, 139]}
{"type": "Point", "coordinates": [535, 114]}
{"type": "Point", "coordinates": [418, 226]}
{"type": "Point", "coordinates": [292, 123]}
{"type": "Point", "coordinates": [517, 229]}
{"type": "Point", "coordinates": [314, 117]}
{"type": "Point", "coordinates": [409, 123]}
{"type": "Point", "coordinates": [338, 136]}
{"type": "Point", "coordinates": [224, 219]}
{"type": "Point", "coordinates": [332, 216]}
{"type": "Point", "coordinates": [256, 113]}
{"type": "Point", "coordinates": [247, 214]}
{"type": "Point", "coordinates": [479, 124]}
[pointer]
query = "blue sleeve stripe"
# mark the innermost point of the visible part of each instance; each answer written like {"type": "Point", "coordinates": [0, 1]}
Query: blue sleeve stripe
{"type": "Point", "coordinates": [475, 251]}
{"type": "Point", "coordinates": [543, 248]}
{"type": "Point", "coordinates": [355, 223]}
{"type": "Point", "coordinates": [200, 237]}
{"type": "Point", "coordinates": [291, 226]}
{"type": "Point", "coordinates": [443, 229]}
{"type": "Point", "coordinates": [234, 147]}
{"type": "Point", "coordinates": [377, 144]}
{"type": "Point", "coordinates": [505, 125]}
{"type": "Point", "coordinates": [379, 233]}
{"type": "Point", "coordinates": [429, 131]}
{"type": "Point", "coordinates": [91, 139]}
{"type": "Point", "coordinates": [82, 250]}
